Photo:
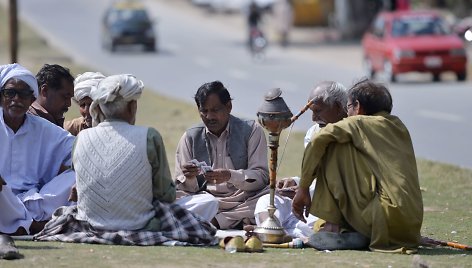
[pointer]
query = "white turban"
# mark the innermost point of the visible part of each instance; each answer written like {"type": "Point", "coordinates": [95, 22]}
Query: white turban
{"type": "Point", "coordinates": [123, 86]}
{"type": "Point", "coordinates": [17, 71]}
{"type": "Point", "coordinates": [83, 83]}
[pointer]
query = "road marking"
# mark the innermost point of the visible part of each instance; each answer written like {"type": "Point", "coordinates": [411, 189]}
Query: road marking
{"type": "Point", "coordinates": [441, 116]}
{"type": "Point", "coordinates": [238, 74]}
{"type": "Point", "coordinates": [202, 61]}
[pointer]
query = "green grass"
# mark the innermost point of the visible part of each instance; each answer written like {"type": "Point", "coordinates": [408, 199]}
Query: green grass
{"type": "Point", "coordinates": [446, 192]}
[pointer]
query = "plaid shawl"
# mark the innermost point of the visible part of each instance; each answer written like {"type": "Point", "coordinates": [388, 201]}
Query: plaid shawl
{"type": "Point", "coordinates": [178, 227]}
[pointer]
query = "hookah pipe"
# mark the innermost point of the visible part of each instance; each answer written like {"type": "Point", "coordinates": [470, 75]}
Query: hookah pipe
{"type": "Point", "coordinates": [303, 110]}
{"type": "Point", "coordinates": [428, 241]}
{"type": "Point", "coordinates": [293, 119]}
{"type": "Point", "coordinates": [295, 243]}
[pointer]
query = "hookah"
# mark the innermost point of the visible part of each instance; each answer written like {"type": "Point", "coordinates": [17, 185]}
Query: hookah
{"type": "Point", "coordinates": [274, 116]}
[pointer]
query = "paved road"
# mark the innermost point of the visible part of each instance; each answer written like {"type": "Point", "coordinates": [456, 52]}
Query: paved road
{"type": "Point", "coordinates": [196, 47]}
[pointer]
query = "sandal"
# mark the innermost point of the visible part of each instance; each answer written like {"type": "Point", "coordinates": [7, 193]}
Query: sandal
{"type": "Point", "coordinates": [237, 244]}
{"type": "Point", "coordinates": [8, 249]}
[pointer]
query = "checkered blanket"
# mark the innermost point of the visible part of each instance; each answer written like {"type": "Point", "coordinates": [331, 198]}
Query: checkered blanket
{"type": "Point", "coordinates": [178, 227]}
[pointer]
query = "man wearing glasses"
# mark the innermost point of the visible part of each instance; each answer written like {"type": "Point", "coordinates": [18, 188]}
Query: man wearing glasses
{"type": "Point", "coordinates": [367, 186]}
{"type": "Point", "coordinates": [34, 157]}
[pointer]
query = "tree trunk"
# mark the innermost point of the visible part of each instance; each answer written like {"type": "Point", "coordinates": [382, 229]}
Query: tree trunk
{"type": "Point", "coordinates": [13, 31]}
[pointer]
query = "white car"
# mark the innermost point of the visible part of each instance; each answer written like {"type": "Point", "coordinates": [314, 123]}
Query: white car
{"type": "Point", "coordinates": [237, 5]}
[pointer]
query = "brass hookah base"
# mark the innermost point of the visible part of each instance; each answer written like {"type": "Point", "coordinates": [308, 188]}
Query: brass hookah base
{"type": "Point", "coordinates": [271, 231]}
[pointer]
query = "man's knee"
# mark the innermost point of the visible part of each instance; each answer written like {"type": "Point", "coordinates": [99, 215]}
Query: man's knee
{"type": "Point", "coordinates": [205, 205]}
{"type": "Point", "coordinates": [213, 204]}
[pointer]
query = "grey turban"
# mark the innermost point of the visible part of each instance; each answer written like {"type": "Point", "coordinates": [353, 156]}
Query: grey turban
{"type": "Point", "coordinates": [123, 86]}
{"type": "Point", "coordinates": [17, 71]}
{"type": "Point", "coordinates": [83, 83]}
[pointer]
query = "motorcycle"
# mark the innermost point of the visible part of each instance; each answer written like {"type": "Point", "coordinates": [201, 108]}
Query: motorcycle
{"type": "Point", "coordinates": [257, 43]}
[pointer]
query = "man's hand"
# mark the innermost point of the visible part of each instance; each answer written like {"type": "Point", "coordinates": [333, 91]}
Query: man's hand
{"type": "Point", "coordinates": [301, 203]}
{"type": "Point", "coordinates": [218, 176]}
{"type": "Point", "coordinates": [190, 170]}
{"type": "Point", "coordinates": [73, 194]}
{"type": "Point", "coordinates": [62, 169]}
{"type": "Point", "coordinates": [2, 182]}
{"type": "Point", "coordinates": [286, 183]}
{"type": "Point", "coordinates": [287, 187]}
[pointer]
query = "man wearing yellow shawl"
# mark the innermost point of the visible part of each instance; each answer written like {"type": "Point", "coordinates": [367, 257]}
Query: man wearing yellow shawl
{"type": "Point", "coordinates": [367, 180]}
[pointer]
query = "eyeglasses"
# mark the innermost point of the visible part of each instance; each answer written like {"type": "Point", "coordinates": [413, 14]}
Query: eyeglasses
{"type": "Point", "coordinates": [10, 93]}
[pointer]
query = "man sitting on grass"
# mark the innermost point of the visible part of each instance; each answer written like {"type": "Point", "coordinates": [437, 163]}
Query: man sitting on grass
{"type": "Point", "coordinates": [83, 84]}
{"type": "Point", "coordinates": [55, 90]}
{"type": "Point", "coordinates": [124, 187]}
{"type": "Point", "coordinates": [34, 157]}
{"type": "Point", "coordinates": [367, 180]}
{"type": "Point", "coordinates": [234, 148]}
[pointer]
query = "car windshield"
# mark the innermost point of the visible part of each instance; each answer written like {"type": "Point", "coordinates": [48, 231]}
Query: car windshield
{"type": "Point", "coordinates": [417, 26]}
{"type": "Point", "coordinates": [129, 15]}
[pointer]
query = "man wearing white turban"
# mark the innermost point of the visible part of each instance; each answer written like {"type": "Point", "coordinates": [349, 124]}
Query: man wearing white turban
{"type": "Point", "coordinates": [34, 157]}
{"type": "Point", "coordinates": [124, 187]}
{"type": "Point", "coordinates": [83, 83]}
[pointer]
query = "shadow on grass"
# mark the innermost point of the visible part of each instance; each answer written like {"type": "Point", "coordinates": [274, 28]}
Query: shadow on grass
{"type": "Point", "coordinates": [442, 251]}
{"type": "Point", "coordinates": [39, 247]}
{"type": "Point", "coordinates": [17, 256]}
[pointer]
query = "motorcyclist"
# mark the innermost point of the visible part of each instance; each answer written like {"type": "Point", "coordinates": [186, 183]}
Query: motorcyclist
{"type": "Point", "coordinates": [253, 19]}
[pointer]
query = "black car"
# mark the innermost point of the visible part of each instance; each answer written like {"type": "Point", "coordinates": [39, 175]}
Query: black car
{"type": "Point", "coordinates": [128, 23]}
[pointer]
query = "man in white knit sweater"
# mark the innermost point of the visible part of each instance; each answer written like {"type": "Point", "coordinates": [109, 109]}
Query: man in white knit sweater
{"type": "Point", "coordinates": [123, 178]}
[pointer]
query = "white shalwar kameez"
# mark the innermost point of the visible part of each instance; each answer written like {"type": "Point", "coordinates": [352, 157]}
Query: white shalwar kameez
{"type": "Point", "coordinates": [30, 160]}
{"type": "Point", "coordinates": [293, 226]}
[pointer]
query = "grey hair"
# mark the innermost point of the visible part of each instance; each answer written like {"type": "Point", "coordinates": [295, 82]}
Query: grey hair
{"type": "Point", "coordinates": [330, 93]}
{"type": "Point", "coordinates": [112, 110]}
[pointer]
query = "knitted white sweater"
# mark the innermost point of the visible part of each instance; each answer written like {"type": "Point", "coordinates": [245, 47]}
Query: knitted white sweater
{"type": "Point", "coordinates": [114, 183]}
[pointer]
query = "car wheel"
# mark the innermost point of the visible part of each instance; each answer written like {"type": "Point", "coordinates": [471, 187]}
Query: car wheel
{"type": "Point", "coordinates": [388, 72]}
{"type": "Point", "coordinates": [436, 77]}
{"type": "Point", "coordinates": [461, 76]}
{"type": "Point", "coordinates": [368, 68]}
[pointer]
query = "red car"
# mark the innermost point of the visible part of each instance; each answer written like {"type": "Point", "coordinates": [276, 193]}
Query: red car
{"type": "Point", "coordinates": [413, 41]}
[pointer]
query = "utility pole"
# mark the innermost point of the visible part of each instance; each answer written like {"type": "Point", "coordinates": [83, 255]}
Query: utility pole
{"type": "Point", "coordinates": [13, 31]}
